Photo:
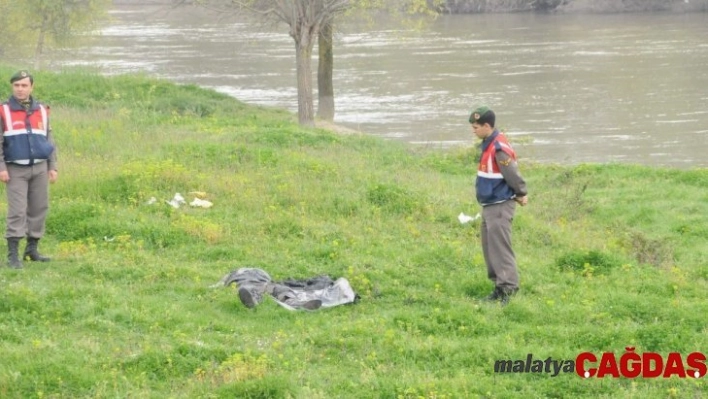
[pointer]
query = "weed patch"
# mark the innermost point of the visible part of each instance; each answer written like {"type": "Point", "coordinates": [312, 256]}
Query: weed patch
{"type": "Point", "coordinates": [588, 262]}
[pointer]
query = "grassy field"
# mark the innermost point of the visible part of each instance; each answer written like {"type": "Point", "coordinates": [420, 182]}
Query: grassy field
{"type": "Point", "coordinates": [610, 256]}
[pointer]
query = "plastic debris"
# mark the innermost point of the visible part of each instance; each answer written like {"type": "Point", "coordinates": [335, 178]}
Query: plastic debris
{"type": "Point", "coordinates": [198, 194]}
{"type": "Point", "coordinates": [466, 219]}
{"type": "Point", "coordinates": [177, 201]}
{"type": "Point", "coordinates": [201, 203]}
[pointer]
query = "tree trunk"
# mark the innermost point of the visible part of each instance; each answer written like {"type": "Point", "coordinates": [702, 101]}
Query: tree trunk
{"type": "Point", "coordinates": [40, 44]}
{"type": "Point", "coordinates": [325, 87]}
{"type": "Point", "coordinates": [304, 42]}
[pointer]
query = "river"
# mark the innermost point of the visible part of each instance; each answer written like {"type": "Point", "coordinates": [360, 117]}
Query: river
{"type": "Point", "coordinates": [630, 88]}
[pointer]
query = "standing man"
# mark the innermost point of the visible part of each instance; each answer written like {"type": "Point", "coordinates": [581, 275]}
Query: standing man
{"type": "Point", "coordinates": [28, 162]}
{"type": "Point", "coordinates": [499, 188]}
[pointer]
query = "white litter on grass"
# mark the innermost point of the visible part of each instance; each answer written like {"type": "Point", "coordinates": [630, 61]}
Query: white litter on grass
{"type": "Point", "coordinates": [201, 203]}
{"type": "Point", "coordinates": [466, 219]}
{"type": "Point", "coordinates": [176, 201]}
{"type": "Point", "coordinates": [198, 194]}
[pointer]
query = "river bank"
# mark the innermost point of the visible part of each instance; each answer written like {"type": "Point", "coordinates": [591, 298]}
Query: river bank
{"type": "Point", "coordinates": [610, 256]}
{"type": "Point", "coordinates": [567, 88]}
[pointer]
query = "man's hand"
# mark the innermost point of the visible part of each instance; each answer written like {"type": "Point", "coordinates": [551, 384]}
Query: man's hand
{"type": "Point", "coordinates": [522, 200]}
{"type": "Point", "coordinates": [4, 176]}
{"type": "Point", "coordinates": [53, 174]}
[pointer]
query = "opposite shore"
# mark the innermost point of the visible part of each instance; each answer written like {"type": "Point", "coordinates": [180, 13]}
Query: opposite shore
{"type": "Point", "coordinates": [514, 6]}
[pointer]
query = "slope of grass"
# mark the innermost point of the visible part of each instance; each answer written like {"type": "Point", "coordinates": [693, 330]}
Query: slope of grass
{"type": "Point", "coordinates": [611, 256]}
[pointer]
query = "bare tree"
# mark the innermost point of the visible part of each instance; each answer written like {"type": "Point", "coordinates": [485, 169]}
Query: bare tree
{"type": "Point", "coordinates": [305, 19]}
{"type": "Point", "coordinates": [406, 12]}
{"type": "Point", "coordinates": [34, 26]}
{"type": "Point", "coordinates": [325, 72]}
{"type": "Point", "coordinates": [313, 21]}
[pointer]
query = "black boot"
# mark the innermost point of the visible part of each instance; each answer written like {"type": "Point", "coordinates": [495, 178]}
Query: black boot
{"type": "Point", "coordinates": [506, 294]}
{"type": "Point", "coordinates": [494, 296]}
{"type": "Point", "coordinates": [13, 259]}
{"type": "Point", "coordinates": [249, 297]}
{"type": "Point", "coordinates": [31, 251]}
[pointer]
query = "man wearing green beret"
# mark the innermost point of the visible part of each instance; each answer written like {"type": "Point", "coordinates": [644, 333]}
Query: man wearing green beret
{"type": "Point", "coordinates": [28, 163]}
{"type": "Point", "coordinates": [499, 187]}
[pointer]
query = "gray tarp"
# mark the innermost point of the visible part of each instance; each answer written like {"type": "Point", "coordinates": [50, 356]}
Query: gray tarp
{"type": "Point", "coordinates": [312, 293]}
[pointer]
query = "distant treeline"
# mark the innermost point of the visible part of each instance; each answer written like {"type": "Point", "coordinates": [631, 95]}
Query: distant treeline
{"type": "Point", "coordinates": [499, 6]}
{"type": "Point", "coordinates": [598, 6]}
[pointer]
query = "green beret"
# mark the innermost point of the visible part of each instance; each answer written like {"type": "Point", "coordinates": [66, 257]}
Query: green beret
{"type": "Point", "coordinates": [482, 115]}
{"type": "Point", "coordinates": [19, 75]}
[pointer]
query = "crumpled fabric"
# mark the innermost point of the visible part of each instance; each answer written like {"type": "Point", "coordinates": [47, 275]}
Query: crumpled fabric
{"type": "Point", "coordinates": [292, 294]}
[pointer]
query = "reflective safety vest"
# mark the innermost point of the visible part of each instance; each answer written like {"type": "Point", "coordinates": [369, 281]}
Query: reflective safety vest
{"type": "Point", "coordinates": [25, 139]}
{"type": "Point", "coordinates": [490, 186]}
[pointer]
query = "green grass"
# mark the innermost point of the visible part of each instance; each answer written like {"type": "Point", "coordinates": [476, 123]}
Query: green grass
{"type": "Point", "coordinates": [610, 256]}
